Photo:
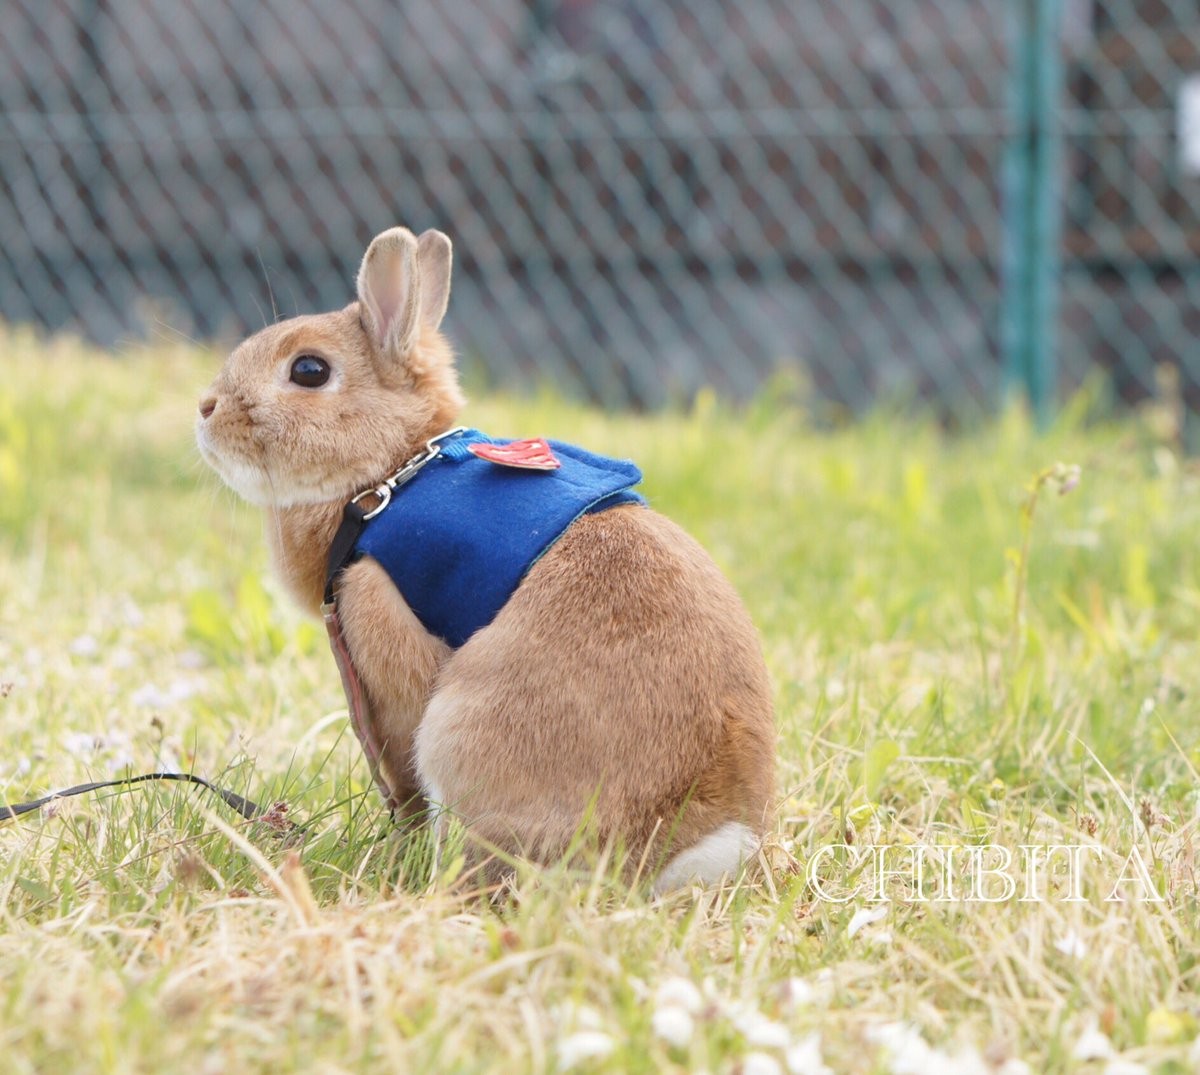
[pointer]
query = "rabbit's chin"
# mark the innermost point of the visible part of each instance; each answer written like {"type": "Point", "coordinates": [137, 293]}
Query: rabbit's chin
{"type": "Point", "coordinates": [257, 485]}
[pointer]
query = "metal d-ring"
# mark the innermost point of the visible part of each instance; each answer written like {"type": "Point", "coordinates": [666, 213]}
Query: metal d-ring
{"type": "Point", "coordinates": [384, 492]}
{"type": "Point", "coordinates": [406, 473]}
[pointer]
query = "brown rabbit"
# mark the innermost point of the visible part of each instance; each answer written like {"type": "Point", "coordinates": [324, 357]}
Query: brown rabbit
{"type": "Point", "coordinates": [621, 681]}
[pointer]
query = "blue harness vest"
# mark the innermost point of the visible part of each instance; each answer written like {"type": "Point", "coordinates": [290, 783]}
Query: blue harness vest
{"type": "Point", "coordinates": [458, 538]}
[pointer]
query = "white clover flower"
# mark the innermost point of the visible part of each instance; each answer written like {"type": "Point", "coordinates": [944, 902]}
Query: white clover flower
{"type": "Point", "coordinates": [84, 646]}
{"type": "Point", "coordinates": [967, 1061]}
{"type": "Point", "coordinates": [757, 1029]}
{"type": "Point", "coordinates": [1093, 1043]}
{"type": "Point", "coordinates": [583, 1045]}
{"type": "Point", "coordinates": [674, 1025]}
{"type": "Point", "coordinates": [679, 993]}
{"type": "Point", "coordinates": [1071, 945]}
{"type": "Point", "coordinates": [120, 758]}
{"type": "Point", "coordinates": [81, 744]}
{"type": "Point", "coordinates": [1014, 1066]}
{"type": "Point", "coordinates": [151, 696]}
{"type": "Point", "coordinates": [676, 1000]}
{"type": "Point", "coordinates": [115, 747]}
{"type": "Point", "coordinates": [908, 1053]}
{"type": "Point", "coordinates": [804, 1057]}
{"type": "Point", "coordinates": [800, 993]}
{"type": "Point", "coordinates": [1125, 1067]}
{"type": "Point", "coordinates": [864, 916]}
{"type": "Point", "coordinates": [760, 1064]}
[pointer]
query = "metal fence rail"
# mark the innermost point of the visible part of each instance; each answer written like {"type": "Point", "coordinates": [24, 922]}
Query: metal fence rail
{"type": "Point", "coordinates": [645, 195]}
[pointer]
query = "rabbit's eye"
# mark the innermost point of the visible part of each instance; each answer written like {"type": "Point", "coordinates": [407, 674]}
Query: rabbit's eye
{"type": "Point", "coordinates": [308, 371]}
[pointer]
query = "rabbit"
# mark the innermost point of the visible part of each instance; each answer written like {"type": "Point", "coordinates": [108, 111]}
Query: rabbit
{"type": "Point", "coordinates": [622, 683]}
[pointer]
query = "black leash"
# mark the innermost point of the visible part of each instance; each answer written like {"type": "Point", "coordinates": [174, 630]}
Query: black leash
{"type": "Point", "coordinates": [251, 811]}
{"type": "Point", "coordinates": [341, 553]}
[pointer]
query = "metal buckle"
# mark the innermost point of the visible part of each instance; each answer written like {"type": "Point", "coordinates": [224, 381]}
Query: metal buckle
{"type": "Point", "coordinates": [406, 473]}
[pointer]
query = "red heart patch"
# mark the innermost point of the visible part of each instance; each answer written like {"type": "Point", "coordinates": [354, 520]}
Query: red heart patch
{"type": "Point", "coordinates": [533, 454]}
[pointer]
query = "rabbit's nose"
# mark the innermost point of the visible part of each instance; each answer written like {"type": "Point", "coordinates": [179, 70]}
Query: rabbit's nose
{"type": "Point", "coordinates": [207, 406]}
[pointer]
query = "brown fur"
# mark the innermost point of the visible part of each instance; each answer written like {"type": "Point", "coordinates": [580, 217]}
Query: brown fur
{"type": "Point", "coordinates": [624, 674]}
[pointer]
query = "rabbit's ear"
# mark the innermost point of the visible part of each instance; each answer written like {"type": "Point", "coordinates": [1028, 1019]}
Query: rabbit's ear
{"type": "Point", "coordinates": [389, 288]}
{"type": "Point", "coordinates": [435, 257]}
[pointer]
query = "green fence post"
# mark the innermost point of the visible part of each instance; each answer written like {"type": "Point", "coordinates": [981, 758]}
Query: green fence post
{"type": "Point", "coordinates": [1032, 206]}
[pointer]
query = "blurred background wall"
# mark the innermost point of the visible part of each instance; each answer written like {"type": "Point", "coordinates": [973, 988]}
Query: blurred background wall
{"type": "Point", "coordinates": [646, 196]}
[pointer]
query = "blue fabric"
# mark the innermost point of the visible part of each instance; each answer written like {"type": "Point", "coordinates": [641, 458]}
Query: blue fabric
{"type": "Point", "coordinates": [458, 538]}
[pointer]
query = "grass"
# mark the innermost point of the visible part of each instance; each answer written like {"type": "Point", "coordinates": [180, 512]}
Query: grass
{"type": "Point", "coordinates": [153, 930]}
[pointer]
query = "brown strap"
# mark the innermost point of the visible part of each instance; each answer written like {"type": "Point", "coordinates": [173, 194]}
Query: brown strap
{"type": "Point", "coordinates": [356, 698]}
{"type": "Point", "coordinates": [341, 554]}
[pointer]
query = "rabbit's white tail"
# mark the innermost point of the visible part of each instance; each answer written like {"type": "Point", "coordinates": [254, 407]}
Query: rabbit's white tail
{"type": "Point", "coordinates": [710, 858]}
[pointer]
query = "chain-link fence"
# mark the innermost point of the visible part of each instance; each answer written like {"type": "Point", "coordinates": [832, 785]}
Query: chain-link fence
{"type": "Point", "coordinates": [883, 196]}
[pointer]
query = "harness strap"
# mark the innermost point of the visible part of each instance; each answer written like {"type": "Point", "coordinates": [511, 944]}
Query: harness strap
{"type": "Point", "coordinates": [341, 551]}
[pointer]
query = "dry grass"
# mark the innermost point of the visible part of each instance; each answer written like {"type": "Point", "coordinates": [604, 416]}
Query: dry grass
{"type": "Point", "coordinates": [151, 930]}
